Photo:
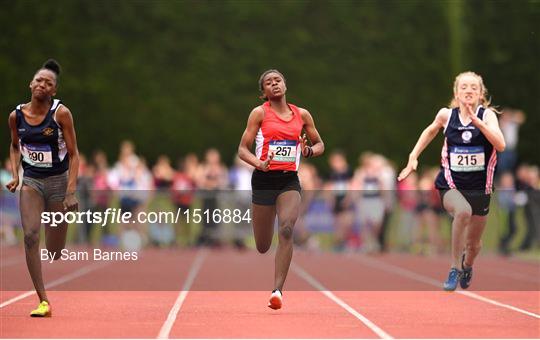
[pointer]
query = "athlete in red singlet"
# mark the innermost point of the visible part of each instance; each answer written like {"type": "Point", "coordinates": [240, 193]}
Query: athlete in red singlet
{"type": "Point", "coordinates": [279, 137]}
{"type": "Point", "coordinates": [276, 127]}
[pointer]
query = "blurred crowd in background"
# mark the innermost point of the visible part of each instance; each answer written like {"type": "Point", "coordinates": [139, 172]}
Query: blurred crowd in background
{"type": "Point", "coordinates": [359, 207]}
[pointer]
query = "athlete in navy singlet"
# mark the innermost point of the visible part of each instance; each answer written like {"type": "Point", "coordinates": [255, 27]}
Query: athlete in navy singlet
{"type": "Point", "coordinates": [43, 148]}
{"type": "Point", "coordinates": [468, 161]}
{"type": "Point", "coordinates": [43, 140]}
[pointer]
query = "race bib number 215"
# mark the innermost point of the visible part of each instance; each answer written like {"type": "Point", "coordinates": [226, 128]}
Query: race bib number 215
{"type": "Point", "coordinates": [467, 158]}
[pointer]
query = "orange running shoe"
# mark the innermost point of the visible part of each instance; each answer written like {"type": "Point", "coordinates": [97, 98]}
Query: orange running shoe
{"type": "Point", "coordinates": [276, 299]}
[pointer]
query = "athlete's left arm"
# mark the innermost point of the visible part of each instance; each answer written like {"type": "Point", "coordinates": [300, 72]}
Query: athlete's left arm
{"type": "Point", "coordinates": [65, 119]}
{"type": "Point", "coordinates": [489, 126]}
{"type": "Point", "coordinates": [309, 126]}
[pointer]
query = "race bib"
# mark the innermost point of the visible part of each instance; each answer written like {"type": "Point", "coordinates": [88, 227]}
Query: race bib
{"type": "Point", "coordinates": [467, 158]}
{"type": "Point", "coordinates": [284, 150]}
{"type": "Point", "coordinates": [38, 155]}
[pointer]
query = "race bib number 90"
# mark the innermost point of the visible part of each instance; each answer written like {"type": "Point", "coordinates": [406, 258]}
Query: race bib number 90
{"type": "Point", "coordinates": [467, 158]}
{"type": "Point", "coordinates": [284, 150]}
{"type": "Point", "coordinates": [38, 155]}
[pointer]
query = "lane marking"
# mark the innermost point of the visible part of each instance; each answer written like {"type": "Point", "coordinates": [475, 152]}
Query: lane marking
{"type": "Point", "coordinates": [430, 281]}
{"type": "Point", "coordinates": [76, 274]}
{"type": "Point", "coordinates": [317, 285]}
{"type": "Point", "coordinates": [173, 313]}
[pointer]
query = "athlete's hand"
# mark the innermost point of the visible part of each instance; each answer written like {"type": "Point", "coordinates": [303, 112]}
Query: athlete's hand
{"type": "Point", "coordinates": [411, 166]}
{"type": "Point", "coordinates": [265, 166]}
{"type": "Point", "coordinates": [70, 202]}
{"type": "Point", "coordinates": [13, 184]}
{"type": "Point", "coordinates": [307, 151]}
{"type": "Point", "coordinates": [471, 112]}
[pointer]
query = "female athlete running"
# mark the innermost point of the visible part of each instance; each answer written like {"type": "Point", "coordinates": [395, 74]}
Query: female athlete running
{"type": "Point", "coordinates": [468, 158]}
{"type": "Point", "coordinates": [43, 135]}
{"type": "Point", "coordinates": [276, 127]}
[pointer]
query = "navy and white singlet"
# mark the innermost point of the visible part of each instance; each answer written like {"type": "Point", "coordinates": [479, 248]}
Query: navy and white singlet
{"type": "Point", "coordinates": [468, 159]}
{"type": "Point", "coordinates": [42, 146]}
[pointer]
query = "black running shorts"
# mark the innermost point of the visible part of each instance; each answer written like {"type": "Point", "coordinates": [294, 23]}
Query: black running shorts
{"type": "Point", "coordinates": [478, 200]}
{"type": "Point", "coordinates": [267, 186]}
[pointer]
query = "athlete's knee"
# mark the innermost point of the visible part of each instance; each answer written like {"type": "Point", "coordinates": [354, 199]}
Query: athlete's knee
{"type": "Point", "coordinates": [31, 238]}
{"type": "Point", "coordinates": [286, 231]}
{"type": "Point", "coordinates": [263, 247]}
{"type": "Point", "coordinates": [463, 213]}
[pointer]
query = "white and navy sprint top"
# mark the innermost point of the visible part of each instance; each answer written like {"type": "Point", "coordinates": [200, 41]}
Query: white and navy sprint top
{"type": "Point", "coordinates": [468, 159]}
{"type": "Point", "coordinates": [42, 146]}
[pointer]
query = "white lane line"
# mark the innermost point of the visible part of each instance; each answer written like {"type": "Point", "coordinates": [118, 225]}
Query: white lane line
{"type": "Point", "coordinates": [173, 313]}
{"type": "Point", "coordinates": [317, 285]}
{"type": "Point", "coordinates": [430, 281]}
{"type": "Point", "coordinates": [78, 273]}
{"type": "Point", "coordinates": [497, 303]}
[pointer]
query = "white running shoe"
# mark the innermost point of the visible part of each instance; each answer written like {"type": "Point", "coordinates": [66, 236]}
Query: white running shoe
{"type": "Point", "coordinates": [276, 299]}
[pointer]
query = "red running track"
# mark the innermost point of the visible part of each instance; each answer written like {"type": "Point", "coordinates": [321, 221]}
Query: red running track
{"type": "Point", "coordinates": [225, 296]}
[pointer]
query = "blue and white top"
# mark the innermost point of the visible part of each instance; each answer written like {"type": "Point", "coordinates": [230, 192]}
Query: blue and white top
{"type": "Point", "coordinates": [43, 149]}
{"type": "Point", "coordinates": [468, 159]}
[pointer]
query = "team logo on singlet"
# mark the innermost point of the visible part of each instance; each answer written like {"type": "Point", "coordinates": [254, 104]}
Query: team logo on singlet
{"type": "Point", "coordinates": [48, 131]}
{"type": "Point", "coordinates": [466, 136]}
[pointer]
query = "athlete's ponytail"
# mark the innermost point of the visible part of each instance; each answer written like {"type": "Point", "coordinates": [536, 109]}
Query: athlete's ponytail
{"type": "Point", "coordinates": [52, 65]}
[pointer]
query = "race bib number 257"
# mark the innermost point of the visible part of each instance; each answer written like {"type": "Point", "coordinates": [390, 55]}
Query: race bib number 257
{"type": "Point", "coordinates": [284, 150]}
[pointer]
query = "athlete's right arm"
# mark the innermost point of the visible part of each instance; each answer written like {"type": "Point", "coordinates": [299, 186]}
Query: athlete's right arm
{"type": "Point", "coordinates": [253, 125]}
{"type": "Point", "coordinates": [425, 138]}
{"type": "Point", "coordinates": [14, 153]}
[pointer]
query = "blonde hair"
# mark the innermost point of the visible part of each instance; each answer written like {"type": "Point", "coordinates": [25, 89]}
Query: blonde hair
{"type": "Point", "coordinates": [484, 100]}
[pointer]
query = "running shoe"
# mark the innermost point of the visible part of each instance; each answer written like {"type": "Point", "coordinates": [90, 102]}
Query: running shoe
{"type": "Point", "coordinates": [453, 277]}
{"type": "Point", "coordinates": [466, 276]}
{"type": "Point", "coordinates": [44, 310]}
{"type": "Point", "coordinates": [275, 299]}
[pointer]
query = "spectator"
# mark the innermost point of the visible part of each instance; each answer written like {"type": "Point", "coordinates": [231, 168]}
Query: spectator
{"type": "Point", "coordinates": [507, 202]}
{"type": "Point", "coordinates": [428, 215]}
{"type": "Point", "coordinates": [213, 177]}
{"type": "Point", "coordinates": [510, 122]}
{"type": "Point", "coordinates": [407, 190]}
{"type": "Point", "coordinates": [101, 195]}
{"type": "Point", "coordinates": [240, 182]}
{"type": "Point", "coordinates": [183, 191]}
{"type": "Point", "coordinates": [10, 208]}
{"type": "Point", "coordinates": [123, 177]}
{"type": "Point", "coordinates": [163, 173]}
{"type": "Point", "coordinates": [84, 190]}
{"type": "Point", "coordinates": [528, 182]}
{"type": "Point", "coordinates": [310, 182]}
{"type": "Point", "coordinates": [338, 183]}
{"type": "Point", "coordinates": [370, 202]}
{"type": "Point", "coordinates": [388, 182]}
